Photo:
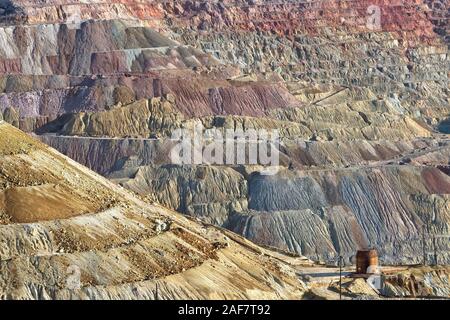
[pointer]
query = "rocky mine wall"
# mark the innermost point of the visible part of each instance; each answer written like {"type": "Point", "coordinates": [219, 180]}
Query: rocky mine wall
{"type": "Point", "coordinates": [439, 15]}
{"type": "Point", "coordinates": [114, 44]}
{"type": "Point", "coordinates": [54, 11]}
{"type": "Point", "coordinates": [328, 211]}
{"type": "Point", "coordinates": [324, 113]}
{"type": "Point", "coordinates": [49, 70]}
{"type": "Point", "coordinates": [329, 42]}
{"type": "Point", "coordinates": [405, 60]}
{"type": "Point", "coordinates": [362, 109]}
{"type": "Point", "coordinates": [106, 155]}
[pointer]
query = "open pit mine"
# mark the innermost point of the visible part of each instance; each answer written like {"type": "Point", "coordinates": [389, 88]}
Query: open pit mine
{"type": "Point", "coordinates": [93, 205]}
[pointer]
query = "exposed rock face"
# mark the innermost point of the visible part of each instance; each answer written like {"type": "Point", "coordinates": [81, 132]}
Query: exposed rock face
{"type": "Point", "coordinates": [402, 61]}
{"type": "Point", "coordinates": [360, 101]}
{"type": "Point", "coordinates": [374, 208]}
{"type": "Point", "coordinates": [75, 235]}
{"type": "Point", "coordinates": [424, 282]}
{"type": "Point", "coordinates": [327, 211]}
{"type": "Point", "coordinates": [106, 155]}
{"type": "Point", "coordinates": [330, 42]}
{"type": "Point", "coordinates": [207, 192]}
{"type": "Point", "coordinates": [139, 119]}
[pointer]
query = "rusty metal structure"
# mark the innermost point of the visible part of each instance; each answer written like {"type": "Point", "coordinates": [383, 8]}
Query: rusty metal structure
{"type": "Point", "coordinates": [366, 259]}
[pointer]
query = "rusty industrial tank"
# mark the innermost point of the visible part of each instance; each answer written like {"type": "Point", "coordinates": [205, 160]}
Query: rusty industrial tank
{"type": "Point", "coordinates": [366, 259]}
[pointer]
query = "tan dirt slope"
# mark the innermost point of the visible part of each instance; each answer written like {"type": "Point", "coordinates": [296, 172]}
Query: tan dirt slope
{"type": "Point", "coordinates": [66, 232]}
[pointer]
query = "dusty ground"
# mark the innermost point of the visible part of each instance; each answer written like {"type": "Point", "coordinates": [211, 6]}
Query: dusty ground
{"type": "Point", "coordinates": [36, 185]}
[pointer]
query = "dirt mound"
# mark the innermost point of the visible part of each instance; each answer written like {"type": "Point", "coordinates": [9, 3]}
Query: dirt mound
{"type": "Point", "coordinates": [46, 202]}
{"type": "Point", "coordinates": [38, 184]}
{"type": "Point", "coordinates": [97, 241]}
